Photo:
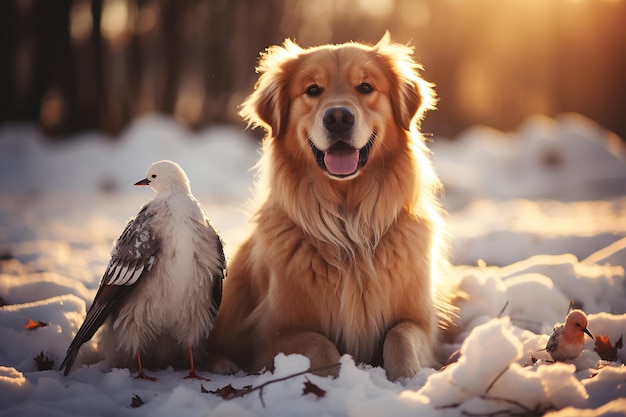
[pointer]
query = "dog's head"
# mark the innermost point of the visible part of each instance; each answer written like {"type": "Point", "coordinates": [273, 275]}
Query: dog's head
{"type": "Point", "coordinates": [339, 103]}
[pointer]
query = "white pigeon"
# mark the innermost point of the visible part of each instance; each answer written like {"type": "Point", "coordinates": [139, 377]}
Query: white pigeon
{"type": "Point", "coordinates": [163, 286]}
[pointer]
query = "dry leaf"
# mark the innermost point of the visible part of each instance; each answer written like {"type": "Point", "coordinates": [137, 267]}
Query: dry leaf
{"type": "Point", "coordinates": [136, 401]}
{"type": "Point", "coordinates": [34, 325]}
{"type": "Point", "coordinates": [228, 391]}
{"type": "Point", "coordinates": [604, 348]}
{"type": "Point", "coordinates": [43, 362]}
{"type": "Point", "coordinates": [202, 389]}
{"type": "Point", "coordinates": [311, 388]}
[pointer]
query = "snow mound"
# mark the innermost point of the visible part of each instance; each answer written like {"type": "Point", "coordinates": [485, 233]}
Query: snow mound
{"type": "Point", "coordinates": [566, 158]}
{"type": "Point", "coordinates": [217, 160]}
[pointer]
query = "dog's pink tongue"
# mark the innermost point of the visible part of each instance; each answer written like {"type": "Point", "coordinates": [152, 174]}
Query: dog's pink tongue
{"type": "Point", "coordinates": [341, 161]}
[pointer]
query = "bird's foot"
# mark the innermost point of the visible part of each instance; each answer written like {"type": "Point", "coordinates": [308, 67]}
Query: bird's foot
{"type": "Point", "coordinates": [142, 375]}
{"type": "Point", "coordinates": [194, 375]}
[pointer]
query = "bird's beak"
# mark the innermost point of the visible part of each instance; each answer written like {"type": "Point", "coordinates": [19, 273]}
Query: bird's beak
{"type": "Point", "coordinates": [144, 181]}
{"type": "Point", "coordinates": [589, 333]}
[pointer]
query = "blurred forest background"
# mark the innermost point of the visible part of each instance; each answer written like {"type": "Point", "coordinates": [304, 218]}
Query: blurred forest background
{"type": "Point", "coordinates": [73, 65]}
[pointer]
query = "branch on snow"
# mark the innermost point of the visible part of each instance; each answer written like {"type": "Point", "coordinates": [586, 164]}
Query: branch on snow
{"type": "Point", "coordinates": [248, 390]}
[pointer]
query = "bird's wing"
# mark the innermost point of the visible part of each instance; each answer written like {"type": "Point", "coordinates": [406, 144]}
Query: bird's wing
{"type": "Point", "coordinates": [217, 297]}
{"type": "Point", "coordinates": [134, 254]}
{"type": "Point", "coordinates": [553, 342]}
{"type": "Point", "coordinates": [219, 269]}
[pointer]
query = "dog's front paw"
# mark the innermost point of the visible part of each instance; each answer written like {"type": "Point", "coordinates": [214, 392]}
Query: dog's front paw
{"type": "Point", "coordinates": [406, 350]}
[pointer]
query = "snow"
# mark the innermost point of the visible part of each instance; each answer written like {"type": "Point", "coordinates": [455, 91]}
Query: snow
{"type": "Point", "coordinates": [538, 218]}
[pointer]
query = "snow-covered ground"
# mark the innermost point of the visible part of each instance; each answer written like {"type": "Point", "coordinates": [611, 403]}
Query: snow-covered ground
{"type": "Point", "coordinates": [538, 218]}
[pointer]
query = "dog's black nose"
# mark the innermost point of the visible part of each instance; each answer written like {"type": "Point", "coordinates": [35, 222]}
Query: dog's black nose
{"type": "Point", "coordinates": [338, 119]}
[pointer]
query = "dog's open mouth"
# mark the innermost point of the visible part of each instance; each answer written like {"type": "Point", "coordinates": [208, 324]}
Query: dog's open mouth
{"type": "Point", "coordinates": [341, 160]}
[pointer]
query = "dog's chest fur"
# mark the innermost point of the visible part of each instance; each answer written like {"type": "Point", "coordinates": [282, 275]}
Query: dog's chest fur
{"type": "Point", "coordinates": [348, 296]}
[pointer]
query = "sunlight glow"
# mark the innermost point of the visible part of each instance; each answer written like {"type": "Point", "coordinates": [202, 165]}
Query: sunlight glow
{"type": "Point", "coordinates": [376, 8]}
{"type": "Point", "coordinates": [316, 28]}
{"type": "Point", "coordinates": [476, 89]}
{"type": "Point", "coordinates": [81, 22]}
{"type": "Point", "coordinates": [606, 1]}
{"type": "Point", "coordinates": [52, 109]}
{"type": "Point", "coordinates": [148, 18]}
{"type": "Point", "coordinates": [116, 18]}
{"type": "Point", "coordinates": [414, 12]}
{"type": "Point", "coordinates": [190, 102]}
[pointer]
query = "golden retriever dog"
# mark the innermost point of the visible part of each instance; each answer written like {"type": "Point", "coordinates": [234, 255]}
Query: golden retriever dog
{"type": "Point", "coordinates": [347, 239]}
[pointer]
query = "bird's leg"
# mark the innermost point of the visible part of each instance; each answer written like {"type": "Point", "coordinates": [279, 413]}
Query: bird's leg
{"type": "Point", "coordinates": [192, 368]}
{"type": "Point", "coordinates": [141, 374]}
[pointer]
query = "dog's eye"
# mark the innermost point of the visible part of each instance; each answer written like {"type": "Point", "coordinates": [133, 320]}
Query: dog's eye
{"type": "Point", "coordinates": [313, 90]}
{"type": "Point", "coordinates": [365, 88]}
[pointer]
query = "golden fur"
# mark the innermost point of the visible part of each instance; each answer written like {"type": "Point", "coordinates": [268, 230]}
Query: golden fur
{"type": "Point", "coordinates": [338, 263]}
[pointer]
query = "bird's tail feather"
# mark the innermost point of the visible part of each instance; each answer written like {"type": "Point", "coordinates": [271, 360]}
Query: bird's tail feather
{"type": "Point", "coordinates": [69, 360]}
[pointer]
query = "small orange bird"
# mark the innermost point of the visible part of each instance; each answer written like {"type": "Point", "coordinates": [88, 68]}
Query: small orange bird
{"type": "Point", "coordinates": [567, 340]}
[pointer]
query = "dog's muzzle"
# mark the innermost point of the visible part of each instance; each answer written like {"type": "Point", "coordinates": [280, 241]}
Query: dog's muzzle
{"type": "Point", "coordinates": [341, 159]}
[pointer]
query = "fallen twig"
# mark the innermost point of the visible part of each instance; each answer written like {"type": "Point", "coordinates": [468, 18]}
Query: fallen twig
{"type": "Point", "coordinates": [507, 412]}
{"type": "Point", "coordinates": [259, 388]}
{"type": "Point", "coordinates": [496, 379]}
{"type": "Point", "coordinates": [518, 404]}
{"type": "Point", "coordinates": [503, 308]}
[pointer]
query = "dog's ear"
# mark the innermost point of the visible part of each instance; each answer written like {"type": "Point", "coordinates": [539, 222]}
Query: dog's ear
{"type": "Point", "coordinates": [268, 105]}
{"type": "Point", "coordinates": [411, 95]}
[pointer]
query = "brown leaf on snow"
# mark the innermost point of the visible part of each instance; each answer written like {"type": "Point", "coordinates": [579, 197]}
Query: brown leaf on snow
{"type": "Point", "coordinates": [229, 391]}
{"type": "Point", "coordinates": [311, 388]}
{"type": "Point", "coordinates": [43, 362]}
{"type": "Point", "coordinates": [136, 401]}
{"type": "Point", "coordinates": [203, 390]}
{"type": "Point", "coordinates": [34, 325]}
{"type": "Point", "coordinates": [604, 348]}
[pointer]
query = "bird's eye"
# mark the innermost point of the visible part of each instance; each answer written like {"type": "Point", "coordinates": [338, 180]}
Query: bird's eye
{"type": "Point", "coordinates": [364, 88]}
{"type": "Point", "coordinates": [153, 175]}
{"type": "Point", "coordinates": [314, 90]}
